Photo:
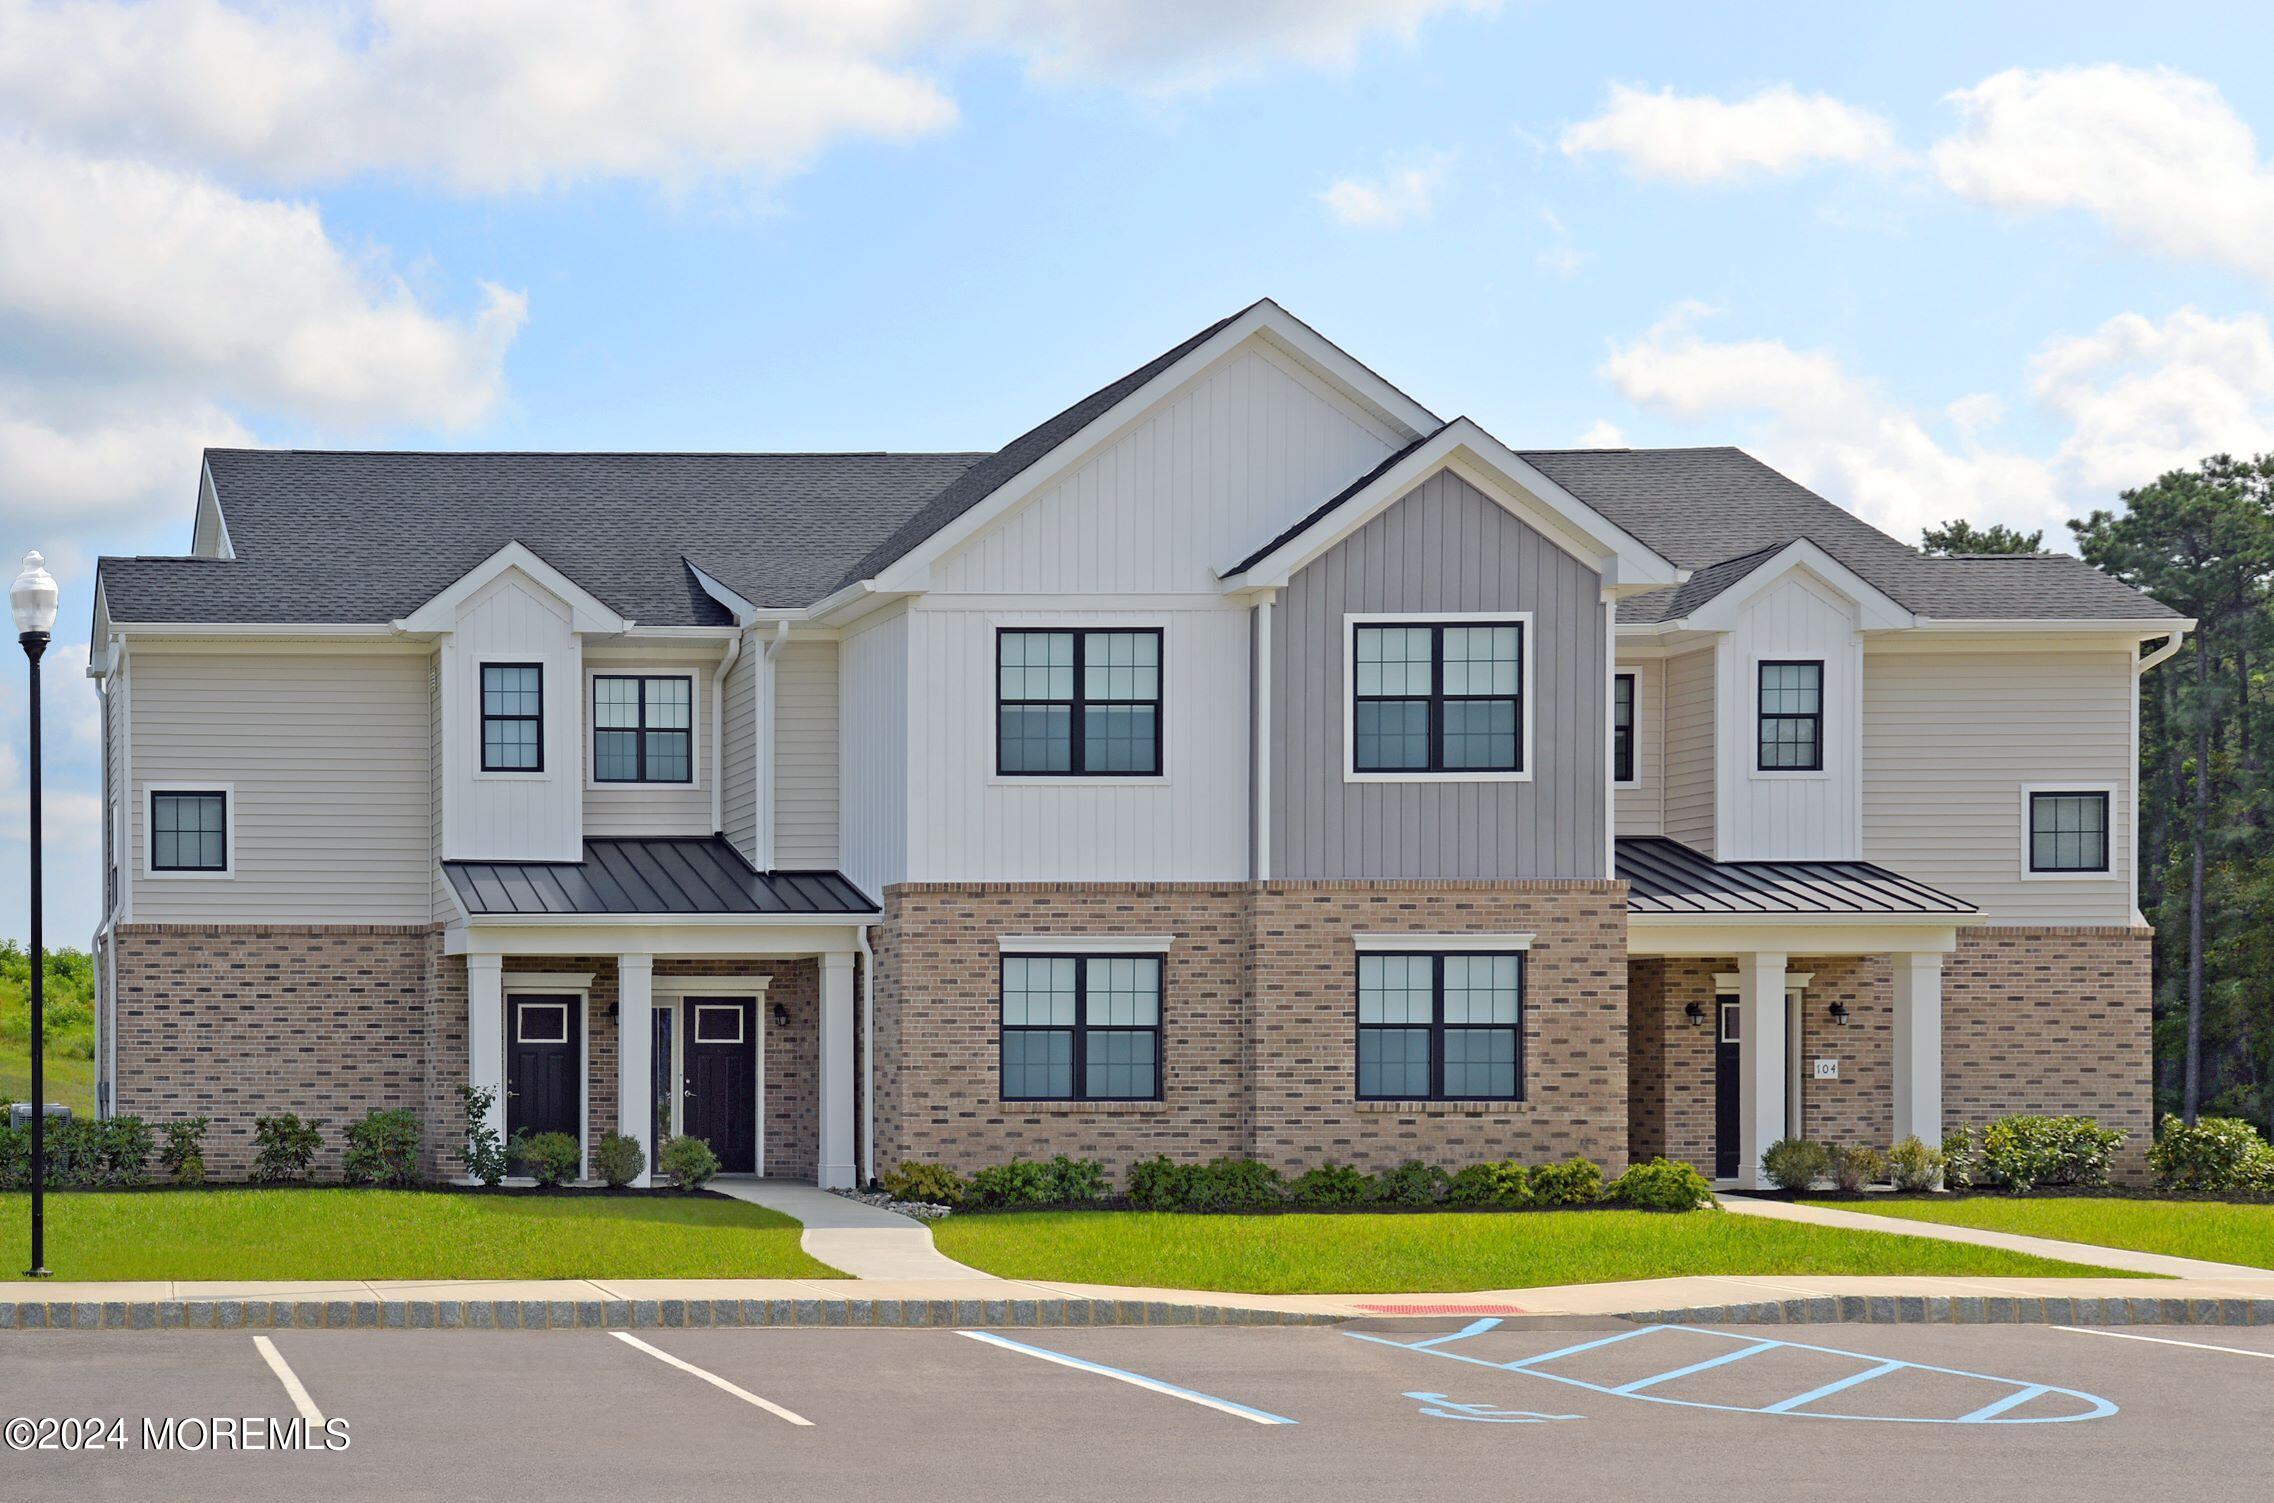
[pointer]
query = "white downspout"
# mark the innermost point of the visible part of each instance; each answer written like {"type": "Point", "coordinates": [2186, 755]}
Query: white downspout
{"type": "Point", "coordinates": [718, 724]}
{"type": "Point", "coordinates": [868, 1058]}
{"type": "Point", "coordinates": [1262, 726]}
{"type": "Point", "coordinates": [2170, 646]}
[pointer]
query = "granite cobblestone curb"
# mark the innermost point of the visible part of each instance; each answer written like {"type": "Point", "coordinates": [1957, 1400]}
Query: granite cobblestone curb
{"type": "Point", "coordinates": [625, 1315]}
{"type": "Point", "coordinates": [1988, 1310]}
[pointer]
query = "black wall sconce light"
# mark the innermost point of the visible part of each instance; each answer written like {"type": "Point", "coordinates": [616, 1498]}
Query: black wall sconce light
{"type": "Point", "coordinates": [781, 1016]}
{"type": "Point", "coordinates": [1695, 1012]}
{"type": "Point", "coordinates": [1840, 1013]}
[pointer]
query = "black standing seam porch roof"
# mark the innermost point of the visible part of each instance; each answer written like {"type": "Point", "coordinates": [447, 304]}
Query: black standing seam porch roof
{"type": "Point", "coordinates": [1670, 880]}
{"type": "Point", "coordinates": [662, 877]}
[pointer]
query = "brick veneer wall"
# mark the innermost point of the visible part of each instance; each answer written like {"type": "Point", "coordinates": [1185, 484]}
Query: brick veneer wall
{"type": "Point", "coordinates": [1678, 1118]}
{"type": "Point", "coordinates": [1258, 1023]}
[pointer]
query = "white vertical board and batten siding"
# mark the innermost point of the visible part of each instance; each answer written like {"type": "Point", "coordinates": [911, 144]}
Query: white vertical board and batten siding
{"type": "Point", "coordinates": [329, 757]}
{"type": "Point", "coordinates": [635, 809]}
{"type": "Point", "coordinates": [873, 751]}
{"type": "Point", "coordinates": [1690, 757]}
{"type": "Point", "coordinates": [805, 753]}
{"type": "Point", "coordinates": [513, 816]}
{"type": "Point", "coordinates": [738, 740]}
{"type": "Point", "coordinates": [1791, 816]}
{"type": "Point", "coordinates": [1640, 809]}
{"type": "Point", "coordinates": [1442, 547]}
{"type": "Point", "coordinates": [1950, 741]}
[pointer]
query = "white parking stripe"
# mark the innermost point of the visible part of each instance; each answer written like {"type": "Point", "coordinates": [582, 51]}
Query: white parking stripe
{"type": "Point", "coordinates": [2201, 1346]}
{"type": "Point", "coordinates": [1138, 1380]}
{"type": "Point", "coordinates": [713, 1379]}
{"type": "Point", "coordinates": [291, 1381]}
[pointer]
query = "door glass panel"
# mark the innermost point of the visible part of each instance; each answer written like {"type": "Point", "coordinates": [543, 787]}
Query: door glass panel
{"type": "Point", "coordinates": [660, 1085]}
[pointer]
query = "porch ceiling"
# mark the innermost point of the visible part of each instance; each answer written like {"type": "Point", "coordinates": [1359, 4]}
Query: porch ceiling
{"type": "Point", "coordinates": [1666, 879]}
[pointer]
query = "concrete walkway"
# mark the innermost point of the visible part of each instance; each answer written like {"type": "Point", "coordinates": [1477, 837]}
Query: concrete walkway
{"type": "Point", "coordinates": [862, 1240]}
{"type": "Point", "coordinates": [2092, 1253]}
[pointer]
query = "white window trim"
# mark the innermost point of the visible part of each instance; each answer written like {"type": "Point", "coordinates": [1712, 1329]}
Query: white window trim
{"type": "Point", "coordinates": [1431, 944]}
{"type": "Point", "coordinates": [735, 1008]}
{"type": "Point", "coordinates": [545, 712]}
{"type": "Point", "coordinates": [2112, 873]}
{"type": "Point", "coordinates": [697, 749]}
{"type": "Point", "coordinates": [228, 792]}
{"type": "Point", "coordinates": [1084, 944]}
{"type": "Point", "coordinates": [1069, 621]}
{"type": "Point", "coordinates": [1527, 747]}
{"type": "Point", "coordinates": [1753, 767]}
{"type": "Point", "coordinates": [577, 984]}
{"type": "Point", "coordinates": [521, 1007]}
{"type": "Point", "coordinates": [1634, 728]}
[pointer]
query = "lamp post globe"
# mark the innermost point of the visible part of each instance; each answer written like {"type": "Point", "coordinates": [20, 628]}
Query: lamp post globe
{"type": "Point", "coordinates": [31, 600]}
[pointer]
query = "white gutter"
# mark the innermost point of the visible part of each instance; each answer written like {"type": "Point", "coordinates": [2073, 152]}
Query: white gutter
{"type": "Point", "coordinates": [868, 1057]}
{"type": "Point", "coordinates": [2161, 654]}
{"type": "Point", "coordinates": [1263, 738]}
{"type": "Point", "coordinates": [718, 725]}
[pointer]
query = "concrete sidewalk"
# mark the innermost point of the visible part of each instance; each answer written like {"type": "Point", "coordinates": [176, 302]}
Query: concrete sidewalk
{"type": "Point", "coordinates": [860, 1239]}
{"type": "Point", "coordinates": [2162, 1265]}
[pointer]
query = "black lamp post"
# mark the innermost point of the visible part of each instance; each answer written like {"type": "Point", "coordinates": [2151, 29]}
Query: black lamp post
{"type": "Point", "coordinates": [32, 600]}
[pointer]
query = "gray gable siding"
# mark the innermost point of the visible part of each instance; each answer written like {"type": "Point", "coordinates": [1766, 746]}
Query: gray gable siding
{"type": "Point", "coordinates": [1445, 546]}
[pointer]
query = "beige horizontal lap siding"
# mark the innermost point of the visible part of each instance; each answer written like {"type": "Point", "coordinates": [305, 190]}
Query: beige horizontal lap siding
{"type": "Point", "coordinates": [1641, 809]}
{"type": "Point", "coordinates": [738, 773]}
{"type": "Point", "coordinates": [444, 907]}
{"type": "Point", "coordinates": [1950, 741]}
{"type": "Point", "coordinates": [330, 756]}
{"type": "Point", "coordinates": [805, 751]}
{"type": "Point", "coordinates": [1690, 750]}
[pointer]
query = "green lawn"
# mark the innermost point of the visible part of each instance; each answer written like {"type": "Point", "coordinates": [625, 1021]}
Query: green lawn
{"type": "Point", "coordinates": [2180, 1228]}
{"type": "Point", "coordinates": [402, 1234]}
{"type": "Point", "coordinates": [1444, 1252]}
{"type": "Point", "coordinates": [70, 1082]}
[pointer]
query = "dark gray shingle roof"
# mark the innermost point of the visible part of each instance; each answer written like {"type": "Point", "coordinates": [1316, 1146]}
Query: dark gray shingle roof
{"type": "Point", "coordinates": [693, 875]}
{"type": "Point", "coordinates": [1665, 877]}
{"type": "Point", "coordinates": [1704, 507]}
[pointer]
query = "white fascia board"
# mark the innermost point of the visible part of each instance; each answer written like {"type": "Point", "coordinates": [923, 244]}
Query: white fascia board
{"type": "Point", "coordinates": [1795, 933]}
{"type": "Point", "coordinates": [2139, 629]}
{"type": "Point", "coordinates": [209, 494]}
{"type": "Point", "coordinates": [587, 612]}
{"type": "Point", "coordinates": [743, 611]}
{"type": "Point", "coordinates": [255, 629]}
{"type": "Point", "coordinates": [1876, 610]}
{"type": "Point", "coordinates": [1521, 490]}
{"type": "Point", "coordinates": [912, 572]}
{"type": "Point", "coordinates": [657, 935]}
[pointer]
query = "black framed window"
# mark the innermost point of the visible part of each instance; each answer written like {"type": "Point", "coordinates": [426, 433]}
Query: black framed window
{"type": "Point", "coordinates": [1081, 1028]}
{"type": "Point", "coordinates": [1078, 703]}
{"type": "Point", "coordinates": [189, 831]}
{"type": "Point", "coordinates": [1622, 727]}
{"type": "Point", "coordinates": [1792, 717]}
{"type": "Point", "coordinates": [643, 728]}
{"type": "Point", "coordinates": [513, 717]}
{"type": "Point", "coordinates": [1441, 1027]}
{"type": "Point", "coordinates": [1437, 697]}
{"type": "Point", "coordinates": [2068, 832]}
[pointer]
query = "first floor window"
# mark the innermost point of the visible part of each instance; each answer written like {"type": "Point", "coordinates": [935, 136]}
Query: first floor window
{"type": "Point", "coordinates": [1437, 698]}
{"type": "Point", "coordinates": [1081, 1027]}
{"type": "Point", "coordinates": [1622, 728]}
{"type": "Point", "coordinates": [642, 729]}
{"type": "Point", "coordinates": [189, 832]}
{"type": "Point", "coordinates": [1078, 703]}
{"type": "Point", "coordinates": [513, 717]}
{"type": "Point", "coordinates": [1792, 717]}
{"type": "Point", "coordinates": [2068, 832]}
{"type": "Point", "coordinates": [1440, 1027]}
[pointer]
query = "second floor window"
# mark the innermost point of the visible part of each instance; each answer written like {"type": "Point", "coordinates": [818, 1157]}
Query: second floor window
{"type": "Point", "coordinates": [1437, 698]}
{"type": "Point", "coordinates": [1792, 717]}
{"type": "Point", "coordinates": [642, 729]}
{"type": "Point", "coordinates": [1078, 703]}
{"type": "Point", "coordinates": [1622, 728]}
{"type": "Point", "coordinates": [2068, 832]}
{"type": "Point", "coordinates": [513, 717]}
{"type": "Point", "coordinates": [189, 832]}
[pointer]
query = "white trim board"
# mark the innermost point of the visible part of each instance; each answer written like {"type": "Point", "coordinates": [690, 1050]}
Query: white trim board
{"type": "Point", "coordinates": [1386, 944]}
{"type": "Point", "coordinates": [148, 810]}
{"type": "Point", "coordinates": [1084, 944]}
{"type": "Point", "coordinates": [1526, 650]}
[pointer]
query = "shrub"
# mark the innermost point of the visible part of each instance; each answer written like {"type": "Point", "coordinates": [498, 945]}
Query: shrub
{"type": "Point", "coordinates": [1158, 1184]}
{"type": "Point", "coordinates": [15, 1153]}
{"type": "Point", "coordinates": [1498, 1182]}
{"type": "Point", "coordinates": [618, 1160]}
{"type": "Point", "coordinates": [1412, 1183]}
{"type": "Point", "coordinates": [483, 1151]}
{"type": "Point", "coordinates": [2022, 1152]}
{"type": "Point", "coordinates": [1073, 1180]}
{"type": "Point", "coordinates": [1854, 1168]}
{"type": "Point", "coordinates": [382, 1149]}
{"type": "Point", "coordinates": [183, 1156]}
{"type": "Point", "coordinates": [127, 1146]}
{"type": "Point", "coordinates": [1332, 1185]}
{"type": "Point", "coordinates": [1574, 1182]}
{"type": "Point", "coordinates": [2216, 1154]}
{"type": "Point", "coordinates": [551, 1158]}
{"type": "Point", "coordinates": [1914, 1166]}
{"type": "Point", "coordinates": [1660, 1185]}
{"type": "Point", "coordinates": [1961, 1158]}
{"type": "Point", "coordinates": [284, 1147]}
{"type": "Point", "coordinates": [1795, 1163]}
{"type": "Point", "coordinates": [74, 1152]}
{"type": "Point", "coordinates": [1017, 1183]}
{"type": "Point", "coordinates": [689, 1162]}
{"type": "Point", "coordinates": [1229, 1184]}
{"type": "Point", "coordinates": [932, 1184]}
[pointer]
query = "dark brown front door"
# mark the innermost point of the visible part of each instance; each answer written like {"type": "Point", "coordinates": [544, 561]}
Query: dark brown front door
{"type": "Point", "coordinates": [1725, 1088]}
{"type": "Point", "coordinates": [540, 1064]}
{"type": "Point", "coordinates": [719, 1101]}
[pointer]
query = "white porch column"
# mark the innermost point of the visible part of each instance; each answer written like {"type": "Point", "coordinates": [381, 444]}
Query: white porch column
{"type": "Point", "coordinates": [836, 1068]}
{"type": "Point", "coordinates": [635, 1054]}
{"type": "Point", "coordinates": [485, 1032]}
{"type": "Point", "coordinates": [1761, 1069]}
{"type": "Point", "coordinates": [1918, 1047]}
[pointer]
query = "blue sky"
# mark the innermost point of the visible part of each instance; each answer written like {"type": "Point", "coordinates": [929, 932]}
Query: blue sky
{"type": "Point", "coordinates": [1996, 262]}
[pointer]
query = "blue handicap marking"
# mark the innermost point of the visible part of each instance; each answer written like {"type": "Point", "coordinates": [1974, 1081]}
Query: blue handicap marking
{"type": "Point", "coordinates": [1441, 1406]}
{"type": "Point", "coordinates": [2020, 1401]}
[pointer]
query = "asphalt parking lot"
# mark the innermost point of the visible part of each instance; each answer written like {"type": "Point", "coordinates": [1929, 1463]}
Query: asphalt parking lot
{"type": "Point", "coordinates": [1391, 1410]}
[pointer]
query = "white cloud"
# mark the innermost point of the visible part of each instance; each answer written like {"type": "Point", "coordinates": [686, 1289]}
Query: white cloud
{"type": "Point", "coordinates": [1603, 434]}
{"type": "Point", "coordinates": [2157, 156]}
{"type": "Point", "coordinates": [1404, 191]}
{"type": "Point", "coordinates": [1699, 138]}
{"type": "Point", "coordinates": [2142, 397]}
{"type": "Point", "coordinates": [1559, 257]}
